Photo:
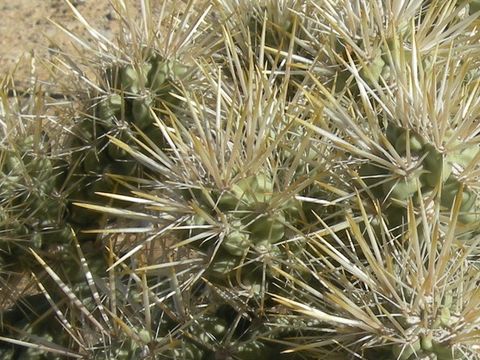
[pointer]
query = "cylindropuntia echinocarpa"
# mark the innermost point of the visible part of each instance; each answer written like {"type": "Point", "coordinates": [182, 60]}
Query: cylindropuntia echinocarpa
{"type": "Point", "coordinates": [347, 192]}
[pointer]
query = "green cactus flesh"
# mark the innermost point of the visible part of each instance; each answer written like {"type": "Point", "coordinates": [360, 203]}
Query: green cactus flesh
{"type": "Point", "coordinates": [409, 140]}
{"type": "Point", "coordinates": [402, 188]}
{"type": "Point", "coordinates": [407, 351]}
{"type": "Point", "coordinates": [373, 69]}
{"type": "Point", "coordinates": [236, 242]}
{"type": "Point", "coordinates": [450, 191]}
{"type": "Point", "coordinates": [270, 228]}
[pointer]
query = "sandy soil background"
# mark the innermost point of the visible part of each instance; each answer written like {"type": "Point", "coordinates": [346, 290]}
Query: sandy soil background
{"type": "Point", "coordinates": [26, 29]}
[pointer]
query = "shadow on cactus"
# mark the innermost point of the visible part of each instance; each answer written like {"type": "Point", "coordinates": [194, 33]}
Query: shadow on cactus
{"type": "Point", "coordinates": [32, 205]}
{"type": "Point", "coordinates": [99, 314]}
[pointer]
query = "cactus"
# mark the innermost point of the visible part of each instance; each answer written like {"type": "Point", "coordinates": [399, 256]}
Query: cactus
{"type": "Point", "coordinates": [293, 180]}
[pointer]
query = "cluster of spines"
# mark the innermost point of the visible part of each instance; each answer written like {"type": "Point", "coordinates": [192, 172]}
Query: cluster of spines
{"type": "Point", "coordinates": [249, 220]}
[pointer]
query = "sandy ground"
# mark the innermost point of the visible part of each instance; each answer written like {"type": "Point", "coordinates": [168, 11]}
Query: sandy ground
{"type": "Point", "coordinates": [26, 28]}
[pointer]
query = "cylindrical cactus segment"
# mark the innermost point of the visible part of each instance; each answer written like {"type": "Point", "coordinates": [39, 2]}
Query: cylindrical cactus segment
{"type": "Point", "coordinates": [163, 70]}
{"type": "Point", "coordinates": [474, 6]}
{"type": "Point", "coordinates": [134, 79]}
{"type": "Point", "coordinates": [158, 75]}
{"type": "Point", "coordinates": [466, 156]}
{"type": "Point", "coordinates": [110, 108]}
{"type": "Point", "coordinates": [445, 351]}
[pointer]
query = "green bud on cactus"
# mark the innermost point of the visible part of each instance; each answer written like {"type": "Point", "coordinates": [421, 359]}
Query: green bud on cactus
{"type": "Point", "coordinates": [415, 142]}
{"type": "Point", "coordinates": [426, 342]}
{"type": "Point", "coordinates": [437, 169]}
{"type": "Point", "coordinates": [252, 280]}
{"type": "Point", "coordinates": [222, 265]}
{"type": "Point", "coordinates": [233, 199]}
{"type": "Point", "coordinates": [387, 72]}
{"type": "Point", "coordinates": [128, 77]}
{"type": "Point", "coordinates": [447, 299]}
{"type": "Point", "coordinates": [246, 193]}
{"type": "Point", "coordinates": [474, 6]}
{"type": "Point", "coordinates": [36, 240]}
{"type": "Point", "coordinates": [145, 336]}
{"type": "Point", "coordinates": [215, 326]}
{"type": "Point", "coordinates": [236, 242]}
{"type": "Point", "coordinates": [471, 216]}
{"type": "Point", "coordinates": [445, 317]}
{"type": "Point", "coordinates": [87, 132]}
{"type": "Point", "coordinates": [40, 168]}
{"type": "Point", "coordinates": [257, 188]}
{"type": "Point", "coordinates": [10, 184]}
{"type": "Point", "coordinates": [158, 75]}
{"type": "Point", "coordinates": [373, 69]}
{"type": "Point", "coordinates": [401, 189]}
{"type": "Point", "coordinates": [141, 112]}
{"type": "Point", "coordinates": [12, 165]}
{"type": "Point", "coordinates": [48, 208]}
{"type": "Point", "coordinates": [179, 70]}
{"type": "Point", "coordinates": [450, 191]}
{"type": "Point", "coordinates": [132, 79]}
{"type": "Point", "coordinates": [466, 156]}
{"type": "Point", "coordinates": [110, 108]}
{"type": "Point", "coordinates": [212, 328]}
{"type": "Point", "coordinates": [270, 228]}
